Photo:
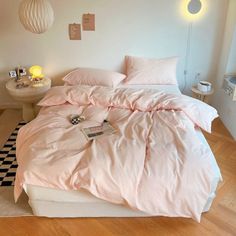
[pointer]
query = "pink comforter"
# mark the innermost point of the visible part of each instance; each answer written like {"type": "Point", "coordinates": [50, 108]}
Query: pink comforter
{"type": "Point", "coordinates": [154, 162]}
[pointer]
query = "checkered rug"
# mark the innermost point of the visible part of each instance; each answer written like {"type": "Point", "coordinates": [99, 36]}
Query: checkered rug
{"type": "Point", "coordinates": [8, 162]}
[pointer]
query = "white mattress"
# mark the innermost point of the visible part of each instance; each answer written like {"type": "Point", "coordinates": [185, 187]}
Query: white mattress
{"type": "Point", "coordinates": [61, 203]}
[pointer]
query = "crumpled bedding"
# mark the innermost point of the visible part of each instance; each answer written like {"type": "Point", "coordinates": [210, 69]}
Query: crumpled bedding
{"type": "Point", "coordinates": [154, 162]}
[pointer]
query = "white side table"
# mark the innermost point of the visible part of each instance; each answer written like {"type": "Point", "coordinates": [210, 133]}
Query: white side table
{"type": "Point", "coordinates": [28, 96]}
{"type": "Point", "coordinates": [203, 96]}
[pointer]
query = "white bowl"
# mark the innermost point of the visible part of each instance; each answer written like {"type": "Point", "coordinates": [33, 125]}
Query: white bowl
{"type": "Point", "coordinates": [204, 86]}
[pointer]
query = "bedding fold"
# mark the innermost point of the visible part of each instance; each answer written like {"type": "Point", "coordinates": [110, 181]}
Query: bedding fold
{"type": "Point", "coordinates": [135, 99]}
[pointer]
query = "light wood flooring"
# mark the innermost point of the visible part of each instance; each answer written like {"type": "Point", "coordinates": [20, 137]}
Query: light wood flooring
{"type": "Point", "coordinates": [220, 220]}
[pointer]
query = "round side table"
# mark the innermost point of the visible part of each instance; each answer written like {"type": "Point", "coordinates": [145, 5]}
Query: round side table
{"type": "Point", "coordinates": [28, 96]}
{"type": "Point", "coordinates": [201, 95]}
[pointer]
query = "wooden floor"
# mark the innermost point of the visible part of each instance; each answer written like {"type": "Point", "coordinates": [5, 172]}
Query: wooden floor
{"type": "Point", "coordinates": [221, 220]}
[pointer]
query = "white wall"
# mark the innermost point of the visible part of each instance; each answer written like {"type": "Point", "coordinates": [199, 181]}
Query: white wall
{"type": "Point", "coordinates": [227, 64]}
{"type": "Point", "coordinates": [231, 65]}
{"type": "Point", "coordinates": [153, 28]}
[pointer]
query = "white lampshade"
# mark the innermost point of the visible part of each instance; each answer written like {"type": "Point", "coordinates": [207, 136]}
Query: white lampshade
{"type": "Point", "coordinates": [36, 16]}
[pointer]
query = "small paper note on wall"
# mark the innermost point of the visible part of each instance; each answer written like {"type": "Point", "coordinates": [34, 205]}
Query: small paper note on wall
{"type": "Point", "coordinates": [89, 22]}
{"type": "Point", "coordinates": [75, 31]}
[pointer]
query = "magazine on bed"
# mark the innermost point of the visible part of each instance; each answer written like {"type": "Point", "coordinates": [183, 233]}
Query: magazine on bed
{"type": "Point", "coordinates": [98, 131]}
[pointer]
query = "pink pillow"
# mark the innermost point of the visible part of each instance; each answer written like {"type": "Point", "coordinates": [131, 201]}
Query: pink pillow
{"type": "Point", "coordinates": [150, 71]}
{"type": "Point", "coordinates": [92, 77]}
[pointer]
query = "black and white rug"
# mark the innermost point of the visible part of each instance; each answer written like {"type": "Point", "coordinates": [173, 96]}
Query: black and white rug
{"type": "Point", "coordinates": [8, 162]}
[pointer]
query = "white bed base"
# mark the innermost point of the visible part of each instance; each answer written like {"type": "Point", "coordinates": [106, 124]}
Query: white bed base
{"type": "Point", "coordinates": [85, 205]}
{"type": "Point", "coordinates": [83, 208]}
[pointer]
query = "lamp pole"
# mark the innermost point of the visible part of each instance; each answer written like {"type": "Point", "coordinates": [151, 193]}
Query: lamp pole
{"type": "Point", "coordinates": [187, 54]}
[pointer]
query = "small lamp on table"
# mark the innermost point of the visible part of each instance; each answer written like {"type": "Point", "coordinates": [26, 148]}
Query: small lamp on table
{"type": "Point", "coordinates": [37, 77]}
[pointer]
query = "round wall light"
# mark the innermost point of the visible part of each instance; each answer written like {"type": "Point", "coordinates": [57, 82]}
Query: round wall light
{"type": "Point", "coordinates": [36, 16]}
{"type": "Point", "coordinates": [194, 6]}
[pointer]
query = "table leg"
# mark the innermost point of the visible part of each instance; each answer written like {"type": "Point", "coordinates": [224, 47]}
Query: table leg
{"type": "Point", "coordinates": [28, 112]}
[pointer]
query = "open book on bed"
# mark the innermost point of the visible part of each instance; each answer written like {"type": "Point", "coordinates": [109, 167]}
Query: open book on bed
{"type": "Point", "coordinates": [98, 131]}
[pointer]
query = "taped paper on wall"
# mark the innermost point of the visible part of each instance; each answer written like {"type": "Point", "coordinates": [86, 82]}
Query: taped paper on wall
{"type": "Point", "coordinates": [89, 22]}
{"type": "Point", "coordinates": [75, 31]}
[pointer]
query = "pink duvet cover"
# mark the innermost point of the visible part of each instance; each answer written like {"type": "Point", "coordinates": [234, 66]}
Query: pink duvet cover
{"type": "Point", "coordinates": [154, 162]}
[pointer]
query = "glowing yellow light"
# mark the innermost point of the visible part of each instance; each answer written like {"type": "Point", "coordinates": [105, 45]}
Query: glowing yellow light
{"type": "Point", "coordinates": [189, 16]}
{"type": "Point", "coordinates": [36, 72]}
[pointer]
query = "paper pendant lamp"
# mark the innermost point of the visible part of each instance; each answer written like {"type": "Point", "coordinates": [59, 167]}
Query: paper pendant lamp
{"type": "Point", "coordinates": [36, 16]}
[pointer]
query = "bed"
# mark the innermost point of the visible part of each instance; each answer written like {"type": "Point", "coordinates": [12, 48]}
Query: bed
{"type": "Point", "coordinates": [157, 163]}
{"type": "Point", "coordinates": [52, 201]}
